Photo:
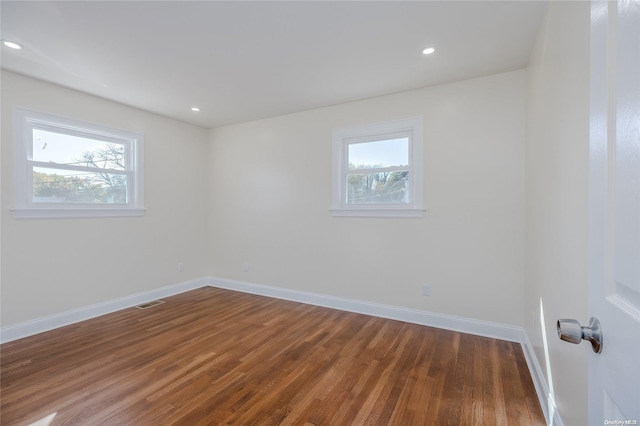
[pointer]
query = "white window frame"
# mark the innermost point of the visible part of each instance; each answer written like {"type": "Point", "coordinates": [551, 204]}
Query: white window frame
{"type": "Point", "coordinates": [25, 121]}
{"type": "Point", "coordinates": [409, 127]}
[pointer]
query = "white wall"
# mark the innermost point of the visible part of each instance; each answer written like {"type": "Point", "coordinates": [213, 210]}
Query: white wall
{"type": "Point", "coordinates": [557, 198]}
{"type": "Point", "coordinates": [52, 266]}
{"type": "Point", "coordinates": [270, 191]}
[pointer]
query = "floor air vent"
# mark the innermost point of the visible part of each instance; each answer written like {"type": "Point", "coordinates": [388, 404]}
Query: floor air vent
{"type": "Point", "coordinates": [150, 304]}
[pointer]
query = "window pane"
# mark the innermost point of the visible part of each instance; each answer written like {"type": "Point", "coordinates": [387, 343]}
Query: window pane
{"type": "Point", "coordinates": [378, 188]}
{"type": "Point", "coordinates": [378, 154]}
{"type": "Point", "coordinates": [70, 186]}
{"type": "Point", "coordinates": [78, 151]}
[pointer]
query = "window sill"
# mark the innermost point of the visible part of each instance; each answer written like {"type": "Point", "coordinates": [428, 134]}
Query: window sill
{"type": "Point", "coordinates": [390, 213]}
{"type": "Point", "coordinates": [59, 213]}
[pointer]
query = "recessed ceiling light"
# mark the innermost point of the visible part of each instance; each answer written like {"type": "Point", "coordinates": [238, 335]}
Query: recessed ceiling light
{"type": "Point", "coordinates": [428, 50]}
{"type": "Point", "coordinates": [11, 44]}
{"type": "Point", "coordinates": [195, 109]}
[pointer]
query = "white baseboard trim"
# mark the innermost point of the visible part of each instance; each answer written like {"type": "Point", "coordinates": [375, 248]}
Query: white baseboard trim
{"type": "Point", "coordinates": [547, 403]}
{"type": "Point", "coordinates": [415, 316]}
{"type": "Point", "coordinates": [29, 328]}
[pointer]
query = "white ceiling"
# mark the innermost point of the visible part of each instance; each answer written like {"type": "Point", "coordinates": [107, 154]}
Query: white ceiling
{"type": "Point", "coordinates": [241, 61]}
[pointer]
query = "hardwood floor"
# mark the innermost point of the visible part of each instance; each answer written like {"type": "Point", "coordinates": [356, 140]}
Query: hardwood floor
{"type": "Point", "coordinates": [213, 356]}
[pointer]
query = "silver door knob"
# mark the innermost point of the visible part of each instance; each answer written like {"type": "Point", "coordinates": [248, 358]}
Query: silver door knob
{"type": "Point", "coordinates": [571, 331]}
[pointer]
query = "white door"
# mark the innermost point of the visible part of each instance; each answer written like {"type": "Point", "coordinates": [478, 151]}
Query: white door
{"type": "Point", "coordinates": [614, 298]}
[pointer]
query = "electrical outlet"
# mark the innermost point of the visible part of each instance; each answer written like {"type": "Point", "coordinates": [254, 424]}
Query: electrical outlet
{"type": "Point", "coordinates": [180, 266]}
{"type": "Point", "coordinates": [245, 266]}
{"type": "Point", "coordinates": [426, 290]}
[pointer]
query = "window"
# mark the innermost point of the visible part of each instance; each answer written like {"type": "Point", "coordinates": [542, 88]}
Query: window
{"type": "Point", "coordinates": [66, 168]}
{"type": "Point", "coordinates": [377, 169]}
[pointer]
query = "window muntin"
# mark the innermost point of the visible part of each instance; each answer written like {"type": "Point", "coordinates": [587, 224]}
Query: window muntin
{"type": "Point", "coordinates": [68, 168]}
{"type": "Point", "coordinates": [378, 169]}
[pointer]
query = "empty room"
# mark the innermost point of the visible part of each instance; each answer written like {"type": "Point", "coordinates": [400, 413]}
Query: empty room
{"type": "Point", "coordinates": [320, 212]}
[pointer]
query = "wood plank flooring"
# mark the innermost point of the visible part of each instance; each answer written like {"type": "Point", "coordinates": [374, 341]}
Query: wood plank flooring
{"type": "Point", "coordinates": [213, 356]}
